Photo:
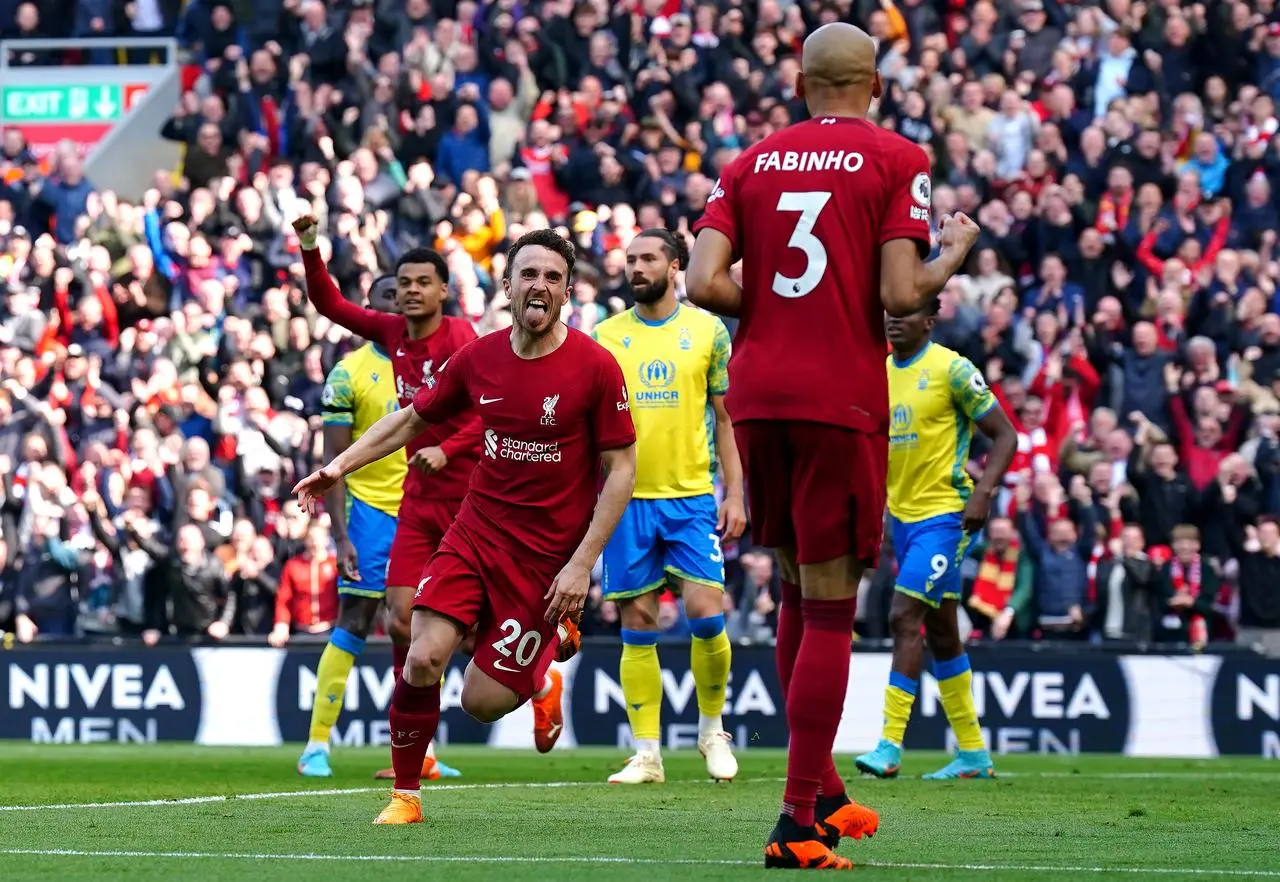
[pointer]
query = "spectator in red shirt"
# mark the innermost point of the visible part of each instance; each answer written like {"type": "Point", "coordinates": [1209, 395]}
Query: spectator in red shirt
{"type": "Point", "coordinates": [307, 598]}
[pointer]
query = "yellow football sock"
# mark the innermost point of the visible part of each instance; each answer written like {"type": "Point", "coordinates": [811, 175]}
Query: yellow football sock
{"type": "Point", "coordinates": [955, 686]}
{"type": "Point", "coordinates": [898, 699]}
{"type": "Point", "coordinates": [709, 658]}
{"type": "Point", "coordinates": [331, 682]}
{"type": "Point", "coordinates": [641, 678]}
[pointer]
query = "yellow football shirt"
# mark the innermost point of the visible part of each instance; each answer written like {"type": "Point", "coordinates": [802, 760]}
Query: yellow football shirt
{"type": "Point", "coordinates": [672, 369]}
{"type": "Point", "coordinates": [934, 400]}
{"type": "Point", "coordinates": [359, 391]}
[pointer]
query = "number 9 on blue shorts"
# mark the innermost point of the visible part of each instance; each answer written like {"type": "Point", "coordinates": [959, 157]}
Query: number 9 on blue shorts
{"type": "Point", "coordinates": [929, 554]}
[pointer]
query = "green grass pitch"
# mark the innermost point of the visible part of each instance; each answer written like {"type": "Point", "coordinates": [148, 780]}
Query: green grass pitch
{"type": "Point", "coordinates": [519, 816]}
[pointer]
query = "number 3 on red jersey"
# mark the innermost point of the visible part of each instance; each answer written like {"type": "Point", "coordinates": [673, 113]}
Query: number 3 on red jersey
{"type": "Point", "coordinates": [809, 205]}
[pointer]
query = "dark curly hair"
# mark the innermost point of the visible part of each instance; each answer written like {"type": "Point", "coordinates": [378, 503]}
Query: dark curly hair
{"type": "Point", "coordinates": [425, 255]}
{"type": "Point", "coordinates": [549, 239]}
{"type": "Point", "coordinates": [673, 246]}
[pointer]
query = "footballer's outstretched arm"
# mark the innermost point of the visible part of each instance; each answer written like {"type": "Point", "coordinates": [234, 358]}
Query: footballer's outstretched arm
{"type": "Point", "coordinates": [707, 281]}
{"type": "Point", "coordinates": [908, 283]}
{"type": "Point", "coordinates": [325, 296]}
{"type": "Point", "coordinates": [387, 435]}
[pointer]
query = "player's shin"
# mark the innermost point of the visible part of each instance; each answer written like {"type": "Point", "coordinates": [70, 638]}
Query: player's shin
{"type": "Point", "coordinates": [898, 699]}
{"type": "Point", "coordinates": [815, 700]}
{"type": "Point", "coordinates": [710, 654]}
{"type": "Point", "coordinates": [955, 685]}
{"type": "Point", "coordinates": [790, 629]}
{"type": "Point", "coordinates": [399, 652]}
{"type": "Point", "coordinates": [641, 678]}
{"type": "Point", "coordinates": [414, 716]}
{"type": "Point", "coordinates": [331, 683]}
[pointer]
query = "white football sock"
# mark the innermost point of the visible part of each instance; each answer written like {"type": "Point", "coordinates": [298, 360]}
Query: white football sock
{"type": "Point", "coordinates": [708, 726]}
{"type": "Point", "coordinates": [317, 745]}
{"type": "Point", "coordinates": [647, 746]}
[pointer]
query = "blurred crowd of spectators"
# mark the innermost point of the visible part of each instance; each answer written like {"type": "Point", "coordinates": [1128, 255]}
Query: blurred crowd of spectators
{"type": "Point", "coordinates": [162, 369]}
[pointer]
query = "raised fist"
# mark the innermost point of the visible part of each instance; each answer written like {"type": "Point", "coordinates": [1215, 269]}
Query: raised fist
{"type": "Point", "coordinates": [959, 231]}
{"type": "Point", "coordinates": [308, 229]}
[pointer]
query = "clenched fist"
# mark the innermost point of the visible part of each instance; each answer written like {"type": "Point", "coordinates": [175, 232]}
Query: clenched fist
{"type": "Point", "coordinates": [959, 232]}
{"type": "Point", "coordinates": [308, 229]}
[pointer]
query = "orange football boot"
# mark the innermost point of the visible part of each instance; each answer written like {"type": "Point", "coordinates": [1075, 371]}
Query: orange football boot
{"type": "Point", "coordinates": [403, 809]}
{"type": "Point", "coordinates": [792, 847]}
{"type": "Point", "coordinates": [548, 715]}
{"type": "Point", "coordinates": [840, 817]}
{"type": "Point", "coordinates": [430, 771]}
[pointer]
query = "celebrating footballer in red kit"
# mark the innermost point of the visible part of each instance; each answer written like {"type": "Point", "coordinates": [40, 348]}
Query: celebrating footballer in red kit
{"type": "Point", "coordinates": [417, 339]}
{"type": "Point", "coordinates": [831, 220]}
{"type": "Point", "coordinates": [554, 413]}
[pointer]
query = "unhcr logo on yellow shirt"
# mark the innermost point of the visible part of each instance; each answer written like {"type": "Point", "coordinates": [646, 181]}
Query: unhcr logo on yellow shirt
{"type": "Point", "coordinates": [657, 377]}
{"type": "Point", "coordinates": [900, 434]}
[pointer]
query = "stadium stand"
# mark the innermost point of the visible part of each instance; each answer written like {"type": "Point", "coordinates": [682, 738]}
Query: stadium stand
{"type": "Point", "coordinates": [161, 369]}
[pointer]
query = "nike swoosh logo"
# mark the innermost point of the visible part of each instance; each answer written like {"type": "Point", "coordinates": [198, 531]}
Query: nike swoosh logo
{"type": "Point", "coordinates": [399, 353]}
{"type": "Point", "coordinates": [484, 400]}
{"type": "Point", "coordinates": [401, 746]}
{"type": "Point", "coordinates": [500, 665]}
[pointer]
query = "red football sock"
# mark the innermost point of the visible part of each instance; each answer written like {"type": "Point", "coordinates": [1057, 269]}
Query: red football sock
{"type": "Point", "coordinates": [790, 627]}
{"type": "Point", "coordinates": [815, 700]}
{"type": "Point", "coordinates": [832, 784]}
{"type": "Point", "coordinates": [414, 716]}
{"type": "Point", "coordinates": [399, 652]}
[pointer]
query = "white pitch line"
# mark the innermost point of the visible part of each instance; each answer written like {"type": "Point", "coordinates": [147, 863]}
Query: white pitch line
{"type": "Point", "coordinates": [609, 859]}
{"type": "Point", "coordinates": [1189, 774]}
{"type": "Point", "coordinates": [551, 785]}
{"type": "Point", "coordinates": [288, 794]}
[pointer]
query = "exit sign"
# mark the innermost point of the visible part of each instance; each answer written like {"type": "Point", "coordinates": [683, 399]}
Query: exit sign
{"type": "Point", "coordinates": [67, 104]}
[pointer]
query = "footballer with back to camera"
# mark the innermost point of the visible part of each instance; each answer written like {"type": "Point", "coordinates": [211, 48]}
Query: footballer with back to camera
{"type": "Point", "coordinates": [830, 218]}
{"type": "Point", "coordinates": [676, 358]}
{"type": "Point", "coordinates": [516, 562]}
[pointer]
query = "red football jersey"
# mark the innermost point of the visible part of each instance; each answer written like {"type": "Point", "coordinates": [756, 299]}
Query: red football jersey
{"type": "Point", "coordinates": [545, 422]}
{"type": "Point", "coordinates": [807, 210]}
{"type": "Point", "coordinates": [414, 362]}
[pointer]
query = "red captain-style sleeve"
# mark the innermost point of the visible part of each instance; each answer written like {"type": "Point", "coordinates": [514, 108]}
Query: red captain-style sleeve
{"type": "Point", "coordinates": [370, 324]}
{"type": "Point", "coordinates": [611, 411]}
{"type": "Point", "coordinates": [722, 211]}
{"type": "Point", "coordinates": [467, 435]}
{"type": "Point", "coordinates": [908, 194]}
{"type": "Point", "coordinates": [449, 395]}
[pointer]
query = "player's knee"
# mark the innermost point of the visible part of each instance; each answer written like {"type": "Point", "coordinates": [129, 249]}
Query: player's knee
{"type": "Point", "coordinates": [703, 602]}
{"type": "Point", "coordinates": [399, 626]}
{"type": "Point", "coordinates": [788, 569]}
{"type": "Point", "coordinates": [425, 662]}
{"type": "Point", "coordinates": [905, 622]}
{"type": "Point", "coordinates": [944, 643]}
{"type": "Point", "coordinates": [356, 615]}
{"type": "Point", "coordinates": [636, 615]}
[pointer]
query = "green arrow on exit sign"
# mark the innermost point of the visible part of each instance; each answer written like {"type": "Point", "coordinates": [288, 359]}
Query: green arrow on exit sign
{"type": "Point", "coordinates": [55, 104]}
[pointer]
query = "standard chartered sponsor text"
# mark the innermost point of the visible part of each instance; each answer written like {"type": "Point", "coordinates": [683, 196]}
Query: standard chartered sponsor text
{"type": "Point", "coordinates": [530, 451]}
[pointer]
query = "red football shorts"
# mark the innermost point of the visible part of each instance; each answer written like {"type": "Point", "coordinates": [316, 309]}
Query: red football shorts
{"type": "Point", "coordinates": [421, 525]}
{"type": "Point", "coordinates": [817, 487]}
{"type": "Point", "coordinates": [471, 581]}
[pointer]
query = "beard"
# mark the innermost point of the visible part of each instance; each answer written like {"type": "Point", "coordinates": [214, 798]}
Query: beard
{"type": "Point", "coordinates": [648, 292]}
